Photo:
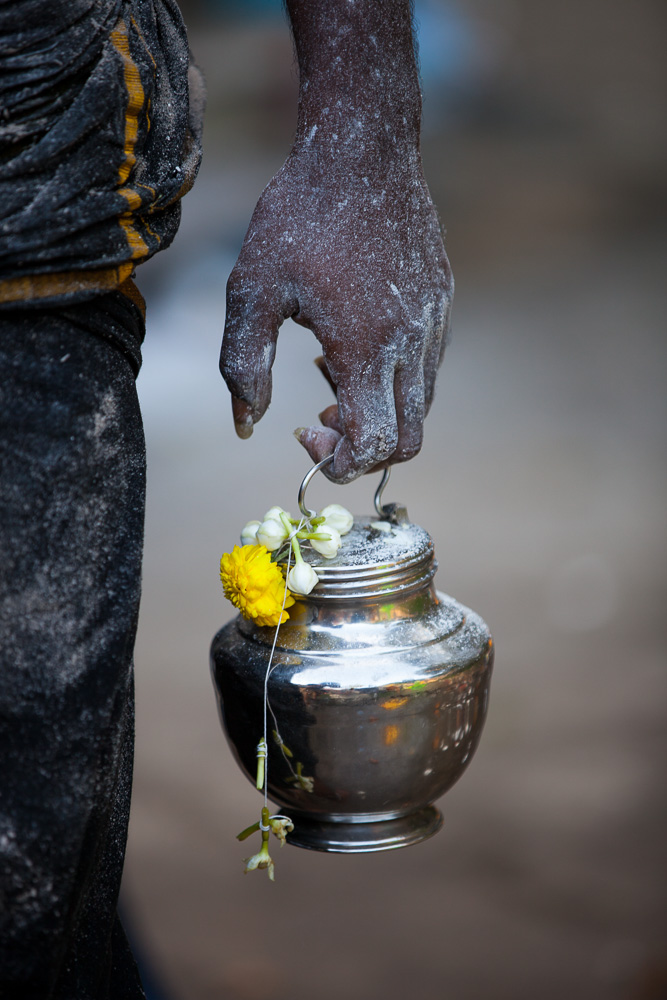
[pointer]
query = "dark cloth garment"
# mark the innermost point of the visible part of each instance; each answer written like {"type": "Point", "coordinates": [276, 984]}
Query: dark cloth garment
{"type": "Point", "coordinates": [100, 137]}
{"type": "Point", "coordinates": [100, 124]}
{"type": "Point", "coordinates": [72, 486]}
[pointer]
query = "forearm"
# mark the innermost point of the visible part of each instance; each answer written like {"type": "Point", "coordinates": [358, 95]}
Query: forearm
{"type": "Point", "coordinates": [358, 75]}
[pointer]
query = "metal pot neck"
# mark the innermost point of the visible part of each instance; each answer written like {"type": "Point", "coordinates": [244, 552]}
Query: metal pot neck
{"type": "Point", "coordinates": [374, 563]}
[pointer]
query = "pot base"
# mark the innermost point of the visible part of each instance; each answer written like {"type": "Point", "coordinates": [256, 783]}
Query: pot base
{"type": "Point", "coordinates": [362, 838]}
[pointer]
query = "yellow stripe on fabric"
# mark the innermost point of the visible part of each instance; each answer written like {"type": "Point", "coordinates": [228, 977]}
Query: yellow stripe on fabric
{"type": "Point", "coordinates": [150, 232]}
{"type": "Point", "coordinates": [135, 94]}
{"type": "Point", "coordinates": [130, 291]}
{"type": "Point", "coordinates": [148, 229]}
{"type": "Point", "coordinates": [132, 197]}
{"type": "Point", "coordinates": [46, 286]}
{"type": "Point", "coordinates": [148, 103]}
{"type": "Point", "coordinates": [135, 104]}
{"type": "Point", "coordinates": [136, 242]}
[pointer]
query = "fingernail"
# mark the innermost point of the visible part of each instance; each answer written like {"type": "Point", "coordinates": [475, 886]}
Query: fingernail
{"type": "Point", "coordinates": [298, 432]}
{"type": "Point", "coordinates": [242, 418]}
{"type": "Point", "coordinates": [244, 431]}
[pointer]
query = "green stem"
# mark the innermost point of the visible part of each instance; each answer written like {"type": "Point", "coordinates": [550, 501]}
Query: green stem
{"type": "Point", "coordinates": [248, 830]}
{"type": "Point", "coordinates": [295, 544]}
{"type": "Point", "coordinates": [265, 822]}
{"type": "Point", "coordinates": [262, 751]}
{"type": "Point", "coordinates": [287, 523]}
{"type": "Point", "coordinates": [296, 549]}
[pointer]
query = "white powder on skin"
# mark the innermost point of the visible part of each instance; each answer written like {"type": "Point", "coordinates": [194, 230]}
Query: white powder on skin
{"type": "Point", "coordinates": [345, 239]}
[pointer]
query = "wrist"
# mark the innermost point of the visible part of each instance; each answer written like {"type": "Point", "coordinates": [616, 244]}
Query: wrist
{"type": "Point", "coordinates": [337, 122]}
{"type": "Point", "coordinates": [358, 74]}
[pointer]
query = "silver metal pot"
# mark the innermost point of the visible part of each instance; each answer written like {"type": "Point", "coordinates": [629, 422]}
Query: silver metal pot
{"type": "Point", "coordinates": [378, 693]}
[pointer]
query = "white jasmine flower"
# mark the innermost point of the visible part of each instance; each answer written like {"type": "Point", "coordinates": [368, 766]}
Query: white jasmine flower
{"type": "Point", "coordinates": [326, 547]}
{"type": "Point", "coordinates": [281, 826]}
{"type": "Point", "coordinates": [302, 780]}
{"type": "Point", "coordinates": [249, 533]}
{"type": "Point", "coordinates": [273, 513]}
{"type": "Point", "coordinates": [271, 534]}
{"type": "Point", "coordinates": [260, 860]}
{"type": "Point", "coordinates": [337, 517]}
{"type": "Point", "coordinates": [302, 578]}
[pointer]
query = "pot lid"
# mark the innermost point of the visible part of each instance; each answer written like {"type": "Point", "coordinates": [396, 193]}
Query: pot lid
{"type": "Point", "coordinates": [376, 558]}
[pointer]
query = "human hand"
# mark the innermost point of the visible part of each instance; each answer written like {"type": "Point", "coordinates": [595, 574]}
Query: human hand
{"type": "Point", "coordinates": [346, 241]}
{"type": "Point", "coordinates": [356, 256]}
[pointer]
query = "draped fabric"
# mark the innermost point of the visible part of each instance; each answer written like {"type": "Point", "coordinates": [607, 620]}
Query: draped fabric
{"type": "Point", "coordinates": [71, 528]}
{"type": "Point", "coordinates": [100, 137]}
{"type": "Point", "coordinates": [100, 127]}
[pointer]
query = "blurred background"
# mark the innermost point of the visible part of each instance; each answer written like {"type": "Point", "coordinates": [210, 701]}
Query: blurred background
{"type": "Point", "coordinates": [542, 480]}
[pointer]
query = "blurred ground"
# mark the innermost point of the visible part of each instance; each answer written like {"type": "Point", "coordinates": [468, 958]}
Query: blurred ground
{"type": "Point", "coordinates": [542, 481]}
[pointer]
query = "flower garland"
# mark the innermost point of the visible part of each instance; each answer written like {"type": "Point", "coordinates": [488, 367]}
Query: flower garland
{"type": "Point", "coordinates": [253, 581]}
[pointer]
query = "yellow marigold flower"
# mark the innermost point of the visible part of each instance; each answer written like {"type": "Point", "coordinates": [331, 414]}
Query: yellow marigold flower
{"type": "Point", "coordinates": [254, 584]}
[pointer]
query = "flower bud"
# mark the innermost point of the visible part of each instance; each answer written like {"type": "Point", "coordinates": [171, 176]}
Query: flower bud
{"type": "Point", "coordinates": [249, 533]}
{"type": "Point", "coordinates": [273, 513]}
{"type": "Point", "coordinates": [338, 517]}
{"type": "Point", "coordinates": [261, 860]}
{"type": "Point", "coordinates": [302, 578]}
{"type": "Point", "coordinates": [271, 534]}
{"type": "Point", "coordinates": [327, 547]}
{"type": "Point", "coordinates": [281, 826]}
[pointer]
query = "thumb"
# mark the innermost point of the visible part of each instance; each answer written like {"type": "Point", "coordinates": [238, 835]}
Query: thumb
{"type": "Point", "coordinates": [252, 321]}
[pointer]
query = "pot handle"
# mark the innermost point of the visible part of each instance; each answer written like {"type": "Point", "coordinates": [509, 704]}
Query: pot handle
{"type": "Point", "coordinates": [304, 486]}
{"type": "Point", "coordinates": [395, 513]}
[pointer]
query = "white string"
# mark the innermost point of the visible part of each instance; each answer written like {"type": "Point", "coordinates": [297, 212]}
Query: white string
{"type": "Point", "coordinates": [279, 740]}
{"type": "Point", "coordinates": [268, 669]}
{"type": "Point", "coordinates": [271, 818]}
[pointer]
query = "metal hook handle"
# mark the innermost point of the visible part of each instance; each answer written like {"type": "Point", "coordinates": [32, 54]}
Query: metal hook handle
{"type": "Point", "coordinates": [304, 486]}
{"type": "Point", "coordinates": [393, 512]}
{"type": "Point", "coordinates": [380, 490]}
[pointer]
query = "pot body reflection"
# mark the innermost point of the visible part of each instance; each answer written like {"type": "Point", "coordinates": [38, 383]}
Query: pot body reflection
{"type": "Point", "coordinates": [379, 703]}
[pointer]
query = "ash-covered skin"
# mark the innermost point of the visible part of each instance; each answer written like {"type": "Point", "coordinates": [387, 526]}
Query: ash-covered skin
{"type": "Point", "coordinates": [345, 239]}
